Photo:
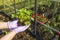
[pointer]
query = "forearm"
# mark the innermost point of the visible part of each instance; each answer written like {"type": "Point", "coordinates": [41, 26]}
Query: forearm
{"type": "Point", "coordinates": [3, 25]}
{"type": "Point", "coordinates": [9, 36]}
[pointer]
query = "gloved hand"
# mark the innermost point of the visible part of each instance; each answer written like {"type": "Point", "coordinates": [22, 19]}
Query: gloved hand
{"type": "Point", "coordinates": [21, 28]}
{"type": "Point", "coordinates": [12, 24]}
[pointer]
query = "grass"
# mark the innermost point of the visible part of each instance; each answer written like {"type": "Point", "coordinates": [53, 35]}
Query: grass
{"type": "Point", "coordinates": [19, 4]}
{"type": "Point", "coordinates": [9, 1]}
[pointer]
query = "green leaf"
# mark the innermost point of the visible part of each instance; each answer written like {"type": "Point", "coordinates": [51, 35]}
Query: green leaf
{"type": "Point", "coordinates": [13, 15]}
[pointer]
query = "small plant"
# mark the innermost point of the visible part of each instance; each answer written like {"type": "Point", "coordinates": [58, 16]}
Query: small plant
{"type": "Point", "coordinates": [24, 16]}
{"type": "Point", "coordinates": [40, 18]}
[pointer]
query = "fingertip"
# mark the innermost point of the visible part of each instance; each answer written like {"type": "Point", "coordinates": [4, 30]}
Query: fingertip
{"type": "Point", "coordinates": [28, 25]}
{"type": "Point", "coordinates": [16, 21]}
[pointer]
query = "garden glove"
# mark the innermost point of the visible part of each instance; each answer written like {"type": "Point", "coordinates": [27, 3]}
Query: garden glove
{"type": "Point", "coordinates": [21, 28]}
{"type": "Point", "coordinates": [12, 24]}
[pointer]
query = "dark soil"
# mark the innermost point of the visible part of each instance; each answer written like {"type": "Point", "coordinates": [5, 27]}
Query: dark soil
{"type": "Point", "coordinates": [23, 36]}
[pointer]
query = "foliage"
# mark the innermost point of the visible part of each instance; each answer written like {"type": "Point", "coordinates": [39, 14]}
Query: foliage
{"type": "Point", "coordinates": [45, 2]}
{"type": "Point", "coordinates": [24, 16]}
